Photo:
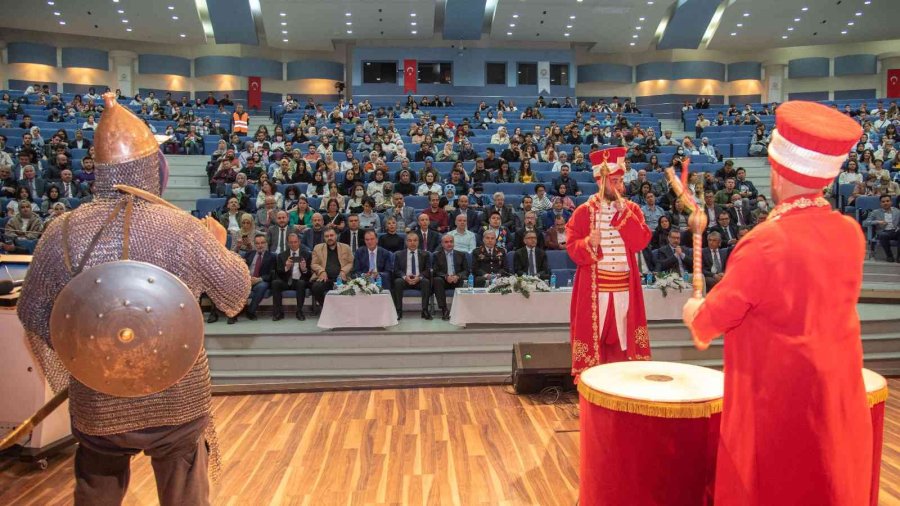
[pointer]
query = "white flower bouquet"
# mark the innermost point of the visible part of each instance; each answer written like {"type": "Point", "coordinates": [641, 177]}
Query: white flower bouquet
{"type": "Point", "coordinates": [358, 286]}
{"type": "Point", "coordinates": [525, 285]}
{"type": "Point", "coordinates": [671, 281]}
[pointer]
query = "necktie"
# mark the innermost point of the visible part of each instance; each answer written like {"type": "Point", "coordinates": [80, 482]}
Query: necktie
{"type": "Point", "coordinates": [353, 240]}
{"type": "Point", "coordinates": [716, 265]}
{"type": "Point", "coordinates": [532, 268]}
{"type": "Point", "coordinates": [450, 267]}
{"type": "Point", "coordinates": [425, 239]}
{"type": "Point", "coordinates": [67, 193]}
{"type": "Point", "coordinates": [281, 241]}
{"type": "Point", "coordinates": [415, 271]}
{"type": "Point", "coordinates": [740, 217]}
{"type": "Point", "coordinates": [372, 263]}
{"type": "Point", "coordinates": [257, 264]}
{"type": "Point", "coordinates": [680, 264]}
{"type": "Point", "coordinates": [728, 232]}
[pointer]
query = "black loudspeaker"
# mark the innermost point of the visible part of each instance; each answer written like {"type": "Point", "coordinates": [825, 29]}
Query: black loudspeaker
{"type": "Point", "coordinates": [536, 366]}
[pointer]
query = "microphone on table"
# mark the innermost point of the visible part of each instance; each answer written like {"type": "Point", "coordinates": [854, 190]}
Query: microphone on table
{"type": "Point", "coordinates": [7, 285]}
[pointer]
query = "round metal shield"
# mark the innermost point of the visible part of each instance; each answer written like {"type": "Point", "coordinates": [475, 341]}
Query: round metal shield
{"type": "Point", "coordinates": [126, 328]}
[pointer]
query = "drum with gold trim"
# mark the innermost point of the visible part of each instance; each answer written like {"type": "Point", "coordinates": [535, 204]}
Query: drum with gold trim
{"type": "Point", "coordinates": [876, 395]}
{"type": "Point", "coordinates": [649, 433]}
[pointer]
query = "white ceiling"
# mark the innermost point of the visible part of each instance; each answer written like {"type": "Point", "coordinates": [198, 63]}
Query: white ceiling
{"type": "Point", "coordinates": [769, 20]}
{"type": "Point", "coordinates": [149, 20]}
{"type": "Point", "coordinates": [608, 25]}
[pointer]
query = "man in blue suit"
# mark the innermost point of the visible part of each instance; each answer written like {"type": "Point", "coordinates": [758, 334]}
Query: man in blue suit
{"type": "Point", "coordinates": [260, 263]}
{"type": "Point", "coordinates": [372, 259]}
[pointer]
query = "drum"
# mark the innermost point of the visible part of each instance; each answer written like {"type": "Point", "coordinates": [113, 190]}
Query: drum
{"type": "Point", "coordinates": [649, 433]}
{"type": "Point", "coordinates": [876, 394]}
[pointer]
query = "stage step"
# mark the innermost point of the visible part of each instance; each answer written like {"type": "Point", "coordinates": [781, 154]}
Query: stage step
{"type": "Point", "coordinates": [187, 180]}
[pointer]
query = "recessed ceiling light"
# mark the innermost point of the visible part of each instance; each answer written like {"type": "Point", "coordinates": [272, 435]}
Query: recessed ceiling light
{"type": "Point", "coordinates": [851, 23]}
{"type": "Point", "coordinates": [284, 32]}
{"type": "Point", "coordinates": [128, 29]}
{"type": "Point", "coordinates": [868, 2]}
{"type": "Point", "coordinates": [51, 2]}
{"type": "Point", "coordinates": [56, 14]}
{"type": "Point", "coordinates": [414, 32]}
{"type": "Point", "coordinates": [515, 15]}
{"type": "Point", "coordinates": [631, 43]}
{"type": "Point", "coordinates": [571, 17]}
{"type": "Point", "coordinates": [349, 23]}
{"type": "Point", "coordinates": [640, 19]}
{"type": "Point", "coordinates": [284, 23]}
{"type": "Point", "coordinates": [650, 2]}
{"type": "Point", "coordinates": [859, 13]}
{"type": "Point", "coordinates": [121, 11]}
{"type": "Point", "coordinates": [175, 18]}
{"type": "Point", "coordinates": [843, 32]}
{"type": "Point", "coordinates": [565, 34]}
{"type": "Point", "coordinates": [412, 14]}
{"type": "Point", "coordinates": [349, 31]}
{"type": "Point", "coordinates": [568, 26]}
{"type": "Point", "coordinates": [733, 34]}
{"type": "Point", "coordinates": [115, 1]}
{"type": "Point", "coordinates": [508, 33]}
{"type": "Point", "coordinates": [638, 27]}
{"type": "Point", "coordinates": [790, 28]}
{"type": "Point", "coordinates": [804, 9]}
{"type": "Point", "coordinates": [171, 7]}
{"type": "Point", "coordinates": [512, 25]}
{"type": "Point", "coordinates": [62, 22]}
{"type": "Point", "coordinates": [739, 25]}
{"type": "Point", "coordinates": [282, 14]}
{"type": "Point", "coordinates": [284, 40]}
{"type": "Point", "coordinates": [182, 35]}
{"type": "Point", "coordinates": [746, 14]}
{"type": "Point", "coordinates": [796, 20]}
{"type": "Point", "coordinates": [413, 23]}
{"type": "Point", "coordinates": [634, 36]}
{"type": "Point", "coordinates": [784, 36]}
{"type": "Point", "coordinates": [125, 21]}
{"type": "Point", "coordinates": [348, 14]}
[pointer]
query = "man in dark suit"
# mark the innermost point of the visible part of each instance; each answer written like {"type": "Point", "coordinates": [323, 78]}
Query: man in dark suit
{"type": "Point", "coordinates": [412, 270]}
{"type": "Point", "coordinates": [429, 238]}
{"type": "Point", "coordinates": [261, 264]}
{"type": "Point", "coordinates": [277, 235]}
{"type": "Point", "coordinates": [352, 235]}
{"type": "Point", "coordinates": [373, 259]}
{"type": "Point", "coordinates": [488, 261]}
{"type": "Point", "coordinates": [314, 235]}
{"type": "Point", "coordinates": [451, 269]}
{"type": "Point", "coordinates": [79, 142]}
{"type": "Point", "coordinates": [530, 259]}
{"type": "Point", "coordinates": [715, 260]}
{"type": "Point", "coordinates": [473, 217]}
{"type": "Point", "coordinates": [740, 212]}
{"type": "Point", "coordinates": [37, 187]}
{"type": "Point", "coordinates": [726, 230]}
{"type": "Point", "coordinates": [293, 269]}
{"type": "Point", "coordinates": [508, 216]}
{"type": "Point", "coordinates": [530, 225]}
{"type": "Point", "coordinates": [674, 258]}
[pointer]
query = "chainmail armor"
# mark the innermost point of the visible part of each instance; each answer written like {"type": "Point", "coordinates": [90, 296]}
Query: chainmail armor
{"type": "Point", "coordinates": [170, 239]}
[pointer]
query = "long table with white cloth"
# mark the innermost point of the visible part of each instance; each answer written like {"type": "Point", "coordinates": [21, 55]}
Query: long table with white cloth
{"type": "Point", "coordinates": [479, 307]}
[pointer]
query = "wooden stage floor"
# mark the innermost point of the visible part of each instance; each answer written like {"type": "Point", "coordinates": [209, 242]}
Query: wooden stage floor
{"type": "Point", "coordinates": [420, 446]}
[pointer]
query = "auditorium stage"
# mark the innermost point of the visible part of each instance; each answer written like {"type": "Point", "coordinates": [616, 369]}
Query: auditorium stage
{"type": "Point", "coordinates": [290, 354]}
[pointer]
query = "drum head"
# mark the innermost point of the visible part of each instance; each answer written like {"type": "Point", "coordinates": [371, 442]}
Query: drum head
{"type": "Point", "coordinates": [874, 381]}
{"type": "Point", "coordinates": [656, 381]}
{"type": "Point", "coordinates": [127, 329]}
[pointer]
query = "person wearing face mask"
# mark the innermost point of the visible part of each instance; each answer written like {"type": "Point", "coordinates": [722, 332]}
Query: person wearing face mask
{"type": "Point", "coordinates": [355, 202]}
{"type": "Point", "coordinates": [762, 209]}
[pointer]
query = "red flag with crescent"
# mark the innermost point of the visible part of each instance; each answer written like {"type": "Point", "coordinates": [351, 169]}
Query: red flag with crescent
{"type": "Point", "coordinates": [893, 83]}
{"type": "Point", "coordinates": [254, 92]}
{"type": "Point", "coordinates": [410, 76]}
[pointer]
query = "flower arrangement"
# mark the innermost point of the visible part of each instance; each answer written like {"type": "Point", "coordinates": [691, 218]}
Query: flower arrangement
{"type": "Point", "coordinates": [525, 285]}
{"type": "Point", "coordinates": [358, 286]}
{"type": "Point", "coordinates": [671, 281]}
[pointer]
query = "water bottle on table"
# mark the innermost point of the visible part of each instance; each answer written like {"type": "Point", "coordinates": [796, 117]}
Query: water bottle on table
{"type": "Point", "coordinates": [553, 281]}
{"type": "Point", "coordinates": [471, 283]}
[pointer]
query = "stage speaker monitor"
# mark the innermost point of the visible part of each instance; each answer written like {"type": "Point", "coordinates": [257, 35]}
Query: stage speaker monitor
{"type": "Point", "coordinates": [536, 366]}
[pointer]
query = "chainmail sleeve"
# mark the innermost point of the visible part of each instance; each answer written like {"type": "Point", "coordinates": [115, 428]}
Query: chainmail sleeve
{"type": "Point", "coordinates": [46, 278]}
{"type": "Point", "coordinates": [223, 273]}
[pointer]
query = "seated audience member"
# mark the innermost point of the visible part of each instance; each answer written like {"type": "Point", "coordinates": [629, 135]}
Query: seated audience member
{"type": "Point", "coordinates": [715, 260]}
{"type": "Point", "coordinates": [278, 232]}
{"type": "Point", "coordinates": [652, 212]}
{"type": "Point", "coordinates": [231, 218]}
{"type": "Point", "coordinates": [8, 184]}
{"type": "Point", "coordinates": [412, 271]}
{"type": "Point", "coordinates": [261, 264]}
{"type": "Point", "coordinates": [740, 212]}
{"type": "Point", "coordinates": [473, 217]}
{"type": "Point", "coordinates": [390, 240]}
{"type": "Point", "coordinates": [330, 260]}
{"type": "Point", "coordinates": [52, 198]}
{"type": "Point", "coordinates": [488, 260]}
{"type": "Point", "coordinates": [333, 217]}
{"type": "Point", "coordinates": [404, 216]}
{"type": "Point", "coordinates": [451, 270]}
{"type": "Point", "coordinates": [565, 179]}
{"type": "Point", "coordinates": [372, 260]}
{"type": "Point", "coordinates": [557, 210]}
{"type": "Point", "coordinates": [660, 235]}
{"type": "Point", "coordinates": [36, 186]}
{"type": "Point", "coordinates": [23, 230]}
{"type": "Point", "coordinates": [760, 209]}
{"type": "Point", "coordinates": [438, 217]}
{"type": "Point", "coordinates": [352, 235]}
{"type": "Point", "coordinates": [726, 229]}
{"type": "Point", "coordinates": [292, 272]}
{"type": "Point", "coordinates": [530, 224]}
{"type": "Point", "coordinates": [315, 233]}
{"type": "Point", "coordinates": [531, 259]}
{"type": "Point", "coordinates": [242, 240]}
{"type": "Point", "coordinates": [68, 187]}
{"type": "Point", "coordinates": [368, 219]}
{"type": "Point", "coordinates": [886, 220]}
{"type": "Point", "coordinates": [540, 201]}
{"type": "Point", "coordinates": [464, 240]}
{"type": "Point", "coordinates": [507, 213]}
{"type": "Point", "coordinates": [501, 233]}
{"type": "Point", "coordinates": [429, 239]}
{"type": "Point", "coordinates": [674, 258]}
{"type": "Point", "coordinates": [555, 236]}
{"type": "Point", "coordinates": [527, 206]}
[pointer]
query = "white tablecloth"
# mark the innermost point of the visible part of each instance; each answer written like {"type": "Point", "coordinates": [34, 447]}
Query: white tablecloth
{"type": "Point", "coordinates": [547, 307]}
{"type": "Point", "coordinates": [346, 311]}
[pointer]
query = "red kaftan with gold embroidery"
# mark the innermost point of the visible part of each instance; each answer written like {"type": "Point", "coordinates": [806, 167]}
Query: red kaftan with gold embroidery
{"type": "Point", "coordinates": [585, 327]}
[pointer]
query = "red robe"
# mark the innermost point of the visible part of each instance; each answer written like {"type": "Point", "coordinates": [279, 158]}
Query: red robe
{"type": "Point", "coordinates": [796, 428]}
{"type": "Point", "coordinates": [585, 327]}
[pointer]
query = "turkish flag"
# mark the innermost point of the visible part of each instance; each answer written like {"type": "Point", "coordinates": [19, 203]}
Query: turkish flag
{"type": "Point", "coordinates": [410, 76]}
{"type": "Point", "coordinates": [893, 83]}
{"type": "Point", "coordinates": [254, 92]}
